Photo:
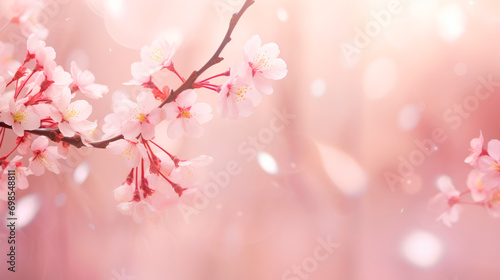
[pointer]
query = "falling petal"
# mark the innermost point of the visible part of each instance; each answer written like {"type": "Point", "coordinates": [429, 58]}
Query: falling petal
{"type": "Point", "coordinates": [343, 170]}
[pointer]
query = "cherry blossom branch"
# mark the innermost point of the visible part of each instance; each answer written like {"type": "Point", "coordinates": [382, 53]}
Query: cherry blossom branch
{"type": "Point", "coordinates": [55, 135]}
{"type": "Point", "coordinates": [189, 83]}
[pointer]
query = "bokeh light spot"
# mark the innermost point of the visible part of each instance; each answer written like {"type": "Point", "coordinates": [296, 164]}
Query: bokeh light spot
{"type": "Point", "coordinates": [409, 117]}
{"type": "Point", "coordinates": [318, 87]}
{"type": "Point", "coordinates": [81, 173]}
{"type": "Point", "coordinates": [451, 22]}
{"type": "Point", "coordinates": [282, 14]}
{"type": "Point", "coordinates": [26, 210]}
{"type": "Point", "coordinates": [422, 249]}
{"type": "Point", "coordinates": [267, 163]}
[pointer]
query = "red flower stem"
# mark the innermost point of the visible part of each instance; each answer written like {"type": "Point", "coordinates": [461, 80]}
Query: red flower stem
{"type": "Point", "coordinates": [171, 156]}
{"type": "Point", "coordinates": [218, 75]}
{"type": "Point", "coordinates": [18, 89]}
{"type": "Point", "coordinates": [464, 192]}
{"type": "Point", "coordinates": [6, 156]}
{"type": "Point", "coordinates": [473, 203]}
{"type": "Point", "coordinates": [172, 69]}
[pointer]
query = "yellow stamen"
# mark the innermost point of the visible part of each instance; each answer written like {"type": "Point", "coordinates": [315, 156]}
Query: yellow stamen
{"type": "Point", "coordinates": [71, 113]}
{"type": "Point", "coordinates": [21, 116]}
{"type": "Point", "coordinates": [157, 55]}
{"type": "Point", "coordinates": [186, 114]}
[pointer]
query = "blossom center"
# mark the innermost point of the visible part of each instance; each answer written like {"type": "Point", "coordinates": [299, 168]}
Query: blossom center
{"type": "Point", "coordinates": [453, 200]}
{"type": "Point", "coordinates": [261, 61]}
{"type": "Point", "coordinates": [71, 113]}
{"type": "Point", "coordinates": [157, 55]}
{"type": "Point", "coordinates": [480, 186]}
{"type": "Point", "coordinates": [21, 116]}
{"type": "Point", "coordinates": [43, 160]}
{"type": "Point", "coordinates": [239, 93]}
{"type": "Point", "coordinates": [186, 114]}
{"type": "Point", "coordinates": [139, 115]}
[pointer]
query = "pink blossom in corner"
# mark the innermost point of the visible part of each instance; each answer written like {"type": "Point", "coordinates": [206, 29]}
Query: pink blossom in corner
{"type": "Point", "coordinates": [130, 150]}
{"type": "Point", "coordinates": [237, 96]}
{"type": "Point", "coordinates": [71, 116]}
{"type": "Point", "coordinates": [264, 62]}
{"type": "Point", "coordinates": [186, 116]}
{"type": "Point", "coordinates": [477, 189]}
{"type": "Point", "coordinates": [143, 117]}
{"type": "Point", "coordinates": [476, 146]}
{"type": "Point", "coordinates": [84, 81]}
{"type": "Point", "coordinates": [45, 157]}
{"type": "Point", "coordinates": [490, 165]}
{"type": "Point", "coordinates": [20, 117]}
{"type": "Point", "coordinates": [446, 203]}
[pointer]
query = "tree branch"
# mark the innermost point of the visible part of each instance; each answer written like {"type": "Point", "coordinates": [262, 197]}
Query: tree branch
{"type": "Point", "coordinates": [55, 134]}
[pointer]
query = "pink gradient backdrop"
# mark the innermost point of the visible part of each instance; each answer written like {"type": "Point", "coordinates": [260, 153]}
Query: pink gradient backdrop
{"type": "Point", "coordinates": [331, 157]}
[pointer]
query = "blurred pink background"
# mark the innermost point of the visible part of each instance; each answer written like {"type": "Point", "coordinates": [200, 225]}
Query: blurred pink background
{"type": "Point", "coordinates": [360, 104]}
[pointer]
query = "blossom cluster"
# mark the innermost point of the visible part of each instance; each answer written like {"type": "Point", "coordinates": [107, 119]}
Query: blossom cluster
{"type": "Point", "coordinates": [483, 184]}
{"type": "Point", "coordinates": [40, 96]}
{"type": "Point", "coordinates": [157, 177]}
{"type": "Point", "coordinates": [41, 103]}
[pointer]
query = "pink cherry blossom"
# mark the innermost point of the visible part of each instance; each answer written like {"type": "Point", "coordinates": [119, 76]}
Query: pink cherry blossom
{"type": "Point", "coordinates": [157, 56]}
{"type": "Point", "coordinates": [141, 74]}
{"type": "Point", "coordinates": [72, 116]}
{"type": "Point", "coordinates": [490, 165]}
{"type": "Point", "coordinates": [139, 210]}
{"type": "Point", "coordinates": [264, 63]}
{"type": "Point", "coordinates": [476, 146]}
{"type": "Point", "coordinates": [478, 190]}
{"type": "Point", "coordinates": [25, 13]}
{"type": "Point", "coordinates": [238, 96]}
{"type": "Point", "coordinates": [122, 108]}
{"type": "Point", "coordinates": [45, 157]}
{"type": "Point", "coordinates": [143, 117]}
{"type": "Point", "coordinates": [186, 116]}
{"type": "Point", "coordinates": [130, 150]}
{"type": "Point", "coordinates": [447, 202]}
{"type": "Point", "coordinates": [20, 117]}
{"type": "Point", "coordinates": [186, 173]}
{"type": "Point", "coordinates": [124, 193]}
{"type": "Point", "coordinates": [21, 173]}
{"type": "Point", "coordinates": [56, 80]}
{"type": "Point", "coordinates": [23, 143]}
{"type": "Point", "coordinates": [37, 49]}
{"type": "Point", "coordinates": [84, 81]}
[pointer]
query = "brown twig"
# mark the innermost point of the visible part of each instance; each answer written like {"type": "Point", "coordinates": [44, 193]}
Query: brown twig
{"type": "Point", "coordinates": [55, 134]}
